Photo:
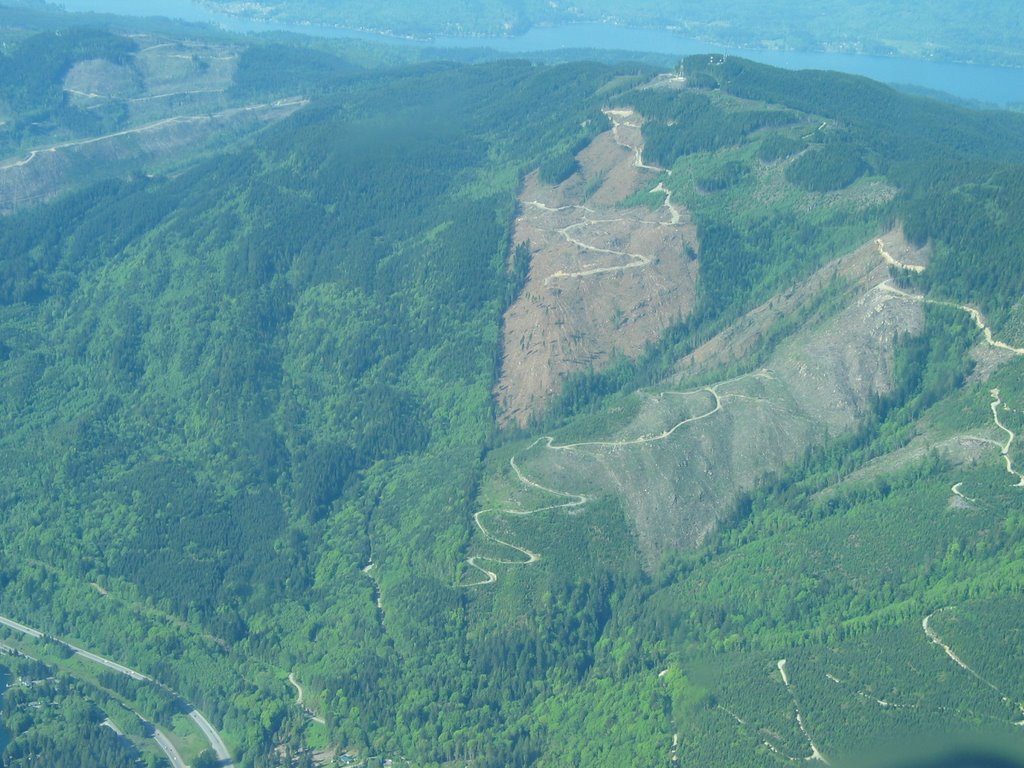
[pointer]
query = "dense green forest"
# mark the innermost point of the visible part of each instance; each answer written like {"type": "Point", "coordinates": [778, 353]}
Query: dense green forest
{"type": "Point", "coordinates": [958, 170]}
{"type": "Point", "coordinates": [54, 720]}
{"type": "Point", "coordinates": [248, 421]}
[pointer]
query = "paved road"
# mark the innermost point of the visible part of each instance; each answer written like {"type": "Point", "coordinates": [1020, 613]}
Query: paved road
{"type": "Point", "coordinates": [219, 748]}
{"type": "Point", "coordinates": [108, 663]}
{"type": "Point", "coordinates": [213, 737]}
{"type": "Point", "coordinates": [20, 628]}
{"type": "Point", "coordinates": [165, 744]}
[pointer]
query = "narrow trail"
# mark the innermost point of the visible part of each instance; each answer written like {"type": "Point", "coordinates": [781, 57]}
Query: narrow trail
{"type": "Point", "coordinates": [815, 752]}
{"type": "Point", "coordinates": [489, 576]}
{"type": "Point", "coordinates": [298, 700]}
{"type": "Point", "coordinates": [985, 440]}
{"type": "Point", "coordinates": [619, 118]}
{"type": "Point", "coordinates": [893, 262]}
{"type": "Point", "coordinates": [1005, 449]}
{"type": "Point", "coordinates": [575, 500]}
{"type": "Point", "coordinates": [957, 492]}
{"type": "Point", "coordinates": [870, 697]}
{"type": "Point", "coordinates": [731, 714]}
{"type": "Point", "coordinates": [85, 94]}
{"type": "Point", "coordinates": [982, 325]}
{"type": "Point", "coordinates": [816, 130]}
{"type": "Point", "coordinates": [193, 92]}
{"type": "Point", "coordinates": [934, 637]}
{"type": "Point", "coordinates": [136, 99]}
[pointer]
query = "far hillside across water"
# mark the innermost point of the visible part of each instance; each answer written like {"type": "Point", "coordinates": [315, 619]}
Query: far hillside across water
{"type": "Point", "coordinates": [1000, 86]}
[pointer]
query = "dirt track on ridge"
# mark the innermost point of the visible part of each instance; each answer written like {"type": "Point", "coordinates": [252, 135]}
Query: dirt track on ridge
{"type": "Point", "coordinates": [602, 278]}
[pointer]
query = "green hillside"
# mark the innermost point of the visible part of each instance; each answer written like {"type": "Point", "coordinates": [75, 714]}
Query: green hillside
{"type": "Point", "coordinates": [250, 448]}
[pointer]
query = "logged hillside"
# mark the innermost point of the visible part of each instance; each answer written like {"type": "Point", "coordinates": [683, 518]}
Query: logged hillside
{"type": "Point", "coordinates": [602, 279]}
{"type": "Point", "coordinates": [816, 450]}
{"type": "Point", "coordinates": [82, 104]}
{"type": "Point", "coordinates": [251, 444]}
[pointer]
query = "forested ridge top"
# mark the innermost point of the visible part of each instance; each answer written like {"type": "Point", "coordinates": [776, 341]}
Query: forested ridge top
{"type": "Point", "coordinates": [248, 425]}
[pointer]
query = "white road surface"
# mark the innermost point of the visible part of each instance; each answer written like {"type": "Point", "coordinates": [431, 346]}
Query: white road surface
{"type": "Point", "coordinates": [165, 744]}
{"type": "Point", "coordinates": [216, 743]}
{"type": "Point", "coordinates": [213, 737]}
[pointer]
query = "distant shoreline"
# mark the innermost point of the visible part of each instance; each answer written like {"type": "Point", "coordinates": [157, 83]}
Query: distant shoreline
{"type": "Point", "coordinates": [987, 84]}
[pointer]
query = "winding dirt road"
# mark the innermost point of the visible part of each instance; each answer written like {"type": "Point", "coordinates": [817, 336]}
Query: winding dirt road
{"type": "Point", "coordinates": [957, 492]}
{"type": "Point", "coordinates": [979, 319]}
{"type": "Point", "coordinates": [672, 210]}
{"type": "Point", "coordinates": [893, 262]}
{"type": "Point", "coordinates": [298, 700]}
{"type": "Point", "coordinates": [621, 118]}
{"type": "Point", "coordinates": [574, 500]}
{"type": "Point", "coordinates": [297, 687]}
{"type": "Point", "coordinates": [815, 752]}
{"type": "Point", "coordinates": [489, 577]}
{"type": "Point", "coordinates": [982, 325]}
{"type": "Point", "coordinates": [635, 259]}
{"type": "Point", "coordinates": [934, 637]}
{"type": "Point", "coordinates": [1005, 449]}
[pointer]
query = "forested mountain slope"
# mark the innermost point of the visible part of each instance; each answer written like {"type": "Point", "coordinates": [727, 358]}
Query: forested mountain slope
{"type": "Point", "coordinates": [84, 104]}
{"type": "Point", "coordinates": [250, 444]}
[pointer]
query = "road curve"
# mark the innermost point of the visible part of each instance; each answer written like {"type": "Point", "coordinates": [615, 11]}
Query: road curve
{"type": "Point", "coordinates": [216, 743]}
{"type": "Point", "coordinates": [573, 500]}
{"type": "Point", "coordinates": [299, 692]}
